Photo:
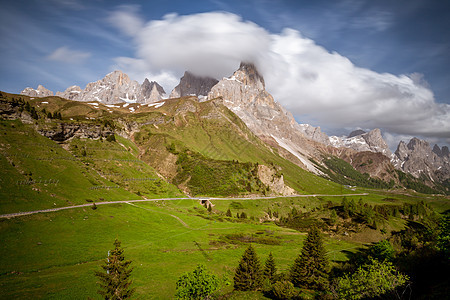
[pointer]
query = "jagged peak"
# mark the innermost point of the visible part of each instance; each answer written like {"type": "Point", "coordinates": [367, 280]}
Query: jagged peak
{"type": "Point", "coordinates": [151, 85]}
{"type": "Point", "coordinates": [250, 70]}
{"type": "Point", "coordinates": [416, 142]}
{"type": "Point", "coordinates": [355, 133]}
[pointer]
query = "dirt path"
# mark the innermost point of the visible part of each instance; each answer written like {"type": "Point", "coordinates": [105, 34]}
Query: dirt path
{"type": "Point", "coordinates": [18, 214]}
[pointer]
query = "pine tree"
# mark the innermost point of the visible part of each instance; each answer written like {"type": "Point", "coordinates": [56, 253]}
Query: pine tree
{"type": "Point", "coordinates": [248, 274]}
{"type": "Point", "coordinates": [114, 281]}
{"type": "Point", "coordinates": [228, 214]}
{"type": "Point", "coordinates": [269, 268]}
{"type": "Point", "coordinates": [310, 269]}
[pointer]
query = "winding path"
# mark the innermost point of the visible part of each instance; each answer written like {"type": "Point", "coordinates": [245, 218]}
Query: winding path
{"type": "Point", "coordinates": [19, 214]}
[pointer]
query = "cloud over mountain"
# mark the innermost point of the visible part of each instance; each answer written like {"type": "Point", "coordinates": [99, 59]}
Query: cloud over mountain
{"type": "Point", "coordinates": [306, 78]}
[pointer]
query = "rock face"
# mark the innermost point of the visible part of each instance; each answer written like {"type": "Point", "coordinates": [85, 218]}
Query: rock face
{"type": "Point", "coordinates": [116, 87]}
{"type": "Point", "coordinates": [39, 92]}
{"type": "Point", "coordinates": [64, 132]}
{"type": "Point", "coordinates": [244, 93]}
{"type": "Point", "coordinates": [151, 91]}
{"type": "Point", "coordinates": [358, 140]}
{"type": "Point", "coordinates": [191, 85]}
{"type": "Point", "coordinates": [271, 178]}
{"type": "Point", "coordinates": [417, 158]}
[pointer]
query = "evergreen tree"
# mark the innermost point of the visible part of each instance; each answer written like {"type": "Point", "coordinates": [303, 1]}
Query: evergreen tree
{"type": "Point", "coordinates": [114, 281]}
{"type": "Point", "coordinates": [310, 269]}
{"type": "Point", "coordinates": [228, 214]}
{"type": "Point", "coordinates": [269, 268]}
{"type": "Point", "coordinates": [248, 274]}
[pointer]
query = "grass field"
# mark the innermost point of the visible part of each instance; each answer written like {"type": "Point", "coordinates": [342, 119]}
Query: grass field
{"type": "Point", "coordinates": [54, 255]}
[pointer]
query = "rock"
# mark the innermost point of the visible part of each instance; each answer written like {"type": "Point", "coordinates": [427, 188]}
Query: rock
{"type": "Point", "coordinates": [150, 92]}
{"type": "Point", "coordinates": [417, 158]}
{"type": "Point", "coordinates": [192, 85]}
{"type": "Point", "coordinates": [271, 177]}
{"type": "Point", "coordinates": [39, 92]}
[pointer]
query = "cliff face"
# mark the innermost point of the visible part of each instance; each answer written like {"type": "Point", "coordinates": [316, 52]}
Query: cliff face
{"type": "Point", "coordinates": [417, 158]}
{"type": "Point", "coordinates": [192, 85]}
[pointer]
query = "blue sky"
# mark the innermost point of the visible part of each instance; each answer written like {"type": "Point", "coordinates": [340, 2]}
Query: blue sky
{"type": "Point", "coordinates": [374, 57]}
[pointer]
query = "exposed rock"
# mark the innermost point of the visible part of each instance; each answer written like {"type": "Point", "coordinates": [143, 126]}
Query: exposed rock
{"type": "Point", "coordinates": [355, 133]}
{"type": "Point", "coordinates": [150, 92]}
{"type": "Point", "coordinates": [417, 158]}
{"type": "Point", "coordinates": [39, 92]}
{"type": "Point", "coordinates": [61, 132]}
{"type": "Point", "coordinates": [115, 87]}
{"type": "Point", "coordinates": [71, 93]}
{"type": "Point", "coordinates": [364, 141]}
{"type": "Point", "coordinates": [192, 85]}
{"type": "Point", "coordinates": [271, 177]}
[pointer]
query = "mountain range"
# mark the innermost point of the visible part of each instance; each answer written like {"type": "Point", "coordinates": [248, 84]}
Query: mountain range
{"type": "Point", "coordinates": [245, 95]}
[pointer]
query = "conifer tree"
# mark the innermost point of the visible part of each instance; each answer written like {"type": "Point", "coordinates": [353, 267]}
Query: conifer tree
{"type": "Point", "coordinates": [269, 268]}
{"type": "Point", "coordinates": [228, 214]}
{"type": "Point", "coordinates": [310, 269]}
{"type": "Point", "coordinates": [248, 274]}
{"type": "Point", "coordinates": [114, 281]}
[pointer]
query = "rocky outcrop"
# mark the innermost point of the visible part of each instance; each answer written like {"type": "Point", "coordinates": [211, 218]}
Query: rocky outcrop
{"type": "Point", "coordinates": [39, 92]}
{"type": "Point", "coordinates": [272, 178]}
{"type": "Point", "coordinates": [61, 132]}
{"type": "Point", "coordinates": [417, 158]}
{"type": "Point", "coordinates": [192, 85]}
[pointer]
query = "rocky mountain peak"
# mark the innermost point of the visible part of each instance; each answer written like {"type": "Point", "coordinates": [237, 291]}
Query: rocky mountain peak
{"type": "Point", "coordinates": [41, 91]}
{"type": "Point", "coordinates": [376, 142]}
{"type": "Point", "coordinates": [418, 158]}
{"type": "Point", "coordinates": [191, 84]}
{"type": "Point", "coordinates": [355, 133]}
{"type": "Point", "coordinates": [248, 74]}
{"type": "Point", "coordinates": [151, 92]}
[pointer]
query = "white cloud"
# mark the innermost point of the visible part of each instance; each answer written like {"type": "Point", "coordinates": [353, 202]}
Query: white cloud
{"type": "Point", "coordinates": [66, 55]}
{"type": "Point", "coordinates": [126, 19]}
{"type": "Point", "coordinates": [307, 79]}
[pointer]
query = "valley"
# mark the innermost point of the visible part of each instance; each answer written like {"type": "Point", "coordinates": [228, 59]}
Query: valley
{"type": "Point", "coordinates": [192, 180]}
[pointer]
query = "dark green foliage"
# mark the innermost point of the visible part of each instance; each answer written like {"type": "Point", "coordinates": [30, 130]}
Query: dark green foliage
{"type": "Point", "coordinates": [374, 279]}
{"type": "Point", "coordinates": [209, 208]}
{"type": "Point", "coordinates": [111, 138]}
{"type": "Point", "coordinates": [115, 280]}
{"type": "Point", "coordinates": [216, 177]}
{"type": "Point", "coordinates": [269, 268]}
{"type": "Point", "coordinates": [243, 215]}
{"type": "Point", "coordinates": [228, 214]}
{"type": "Point", "coordinates": [283, 290]}
{"type": "Point", "coordinates": [248, 274]}
{"type": "Point", "coordinates": [382, 251]}
{"type": "Point", "coordinates": [198, 284]}
{"type": "Point", "coordinates": [342, 172]}
{"type": "Point", "coordinates": [310, 269]}
{"type": "Point", "coordinates": [443, 239]}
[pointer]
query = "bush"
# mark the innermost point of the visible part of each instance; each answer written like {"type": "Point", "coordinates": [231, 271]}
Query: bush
{"type": "Point", "coordinates": [283, 290]}
{"type": "Point", "coordinates": [111, 138]}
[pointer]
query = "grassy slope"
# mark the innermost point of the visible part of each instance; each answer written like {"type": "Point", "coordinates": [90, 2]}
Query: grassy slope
{"type": "Point", "coordinates": [41, 253]}
{"type": "Point", "coordinates": [73, 243]}
{"type": "Point", "coordinates": [215, 132]}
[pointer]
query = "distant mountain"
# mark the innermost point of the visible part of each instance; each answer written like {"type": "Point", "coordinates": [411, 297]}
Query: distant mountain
{"type": "Point", "coordinates": [192, 85]}
{"type": "Point", "coordinates": [115, 87]}
{"type": "Point", "coordinates": [244, 94]}
{"type": "Point", "coordinates": [418, 159]}
{"type": "Point", "coordinates": [39, 92]}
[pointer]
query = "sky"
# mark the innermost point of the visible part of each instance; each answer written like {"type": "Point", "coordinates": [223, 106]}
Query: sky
{"type": "Point", "coordinates": [341, 65]}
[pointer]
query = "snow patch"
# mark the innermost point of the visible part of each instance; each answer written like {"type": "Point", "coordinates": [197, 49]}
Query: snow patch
{"type": "Point", "coordinates": [45, 102]}
{"type": "Point", "coordinates": [157, 104]}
